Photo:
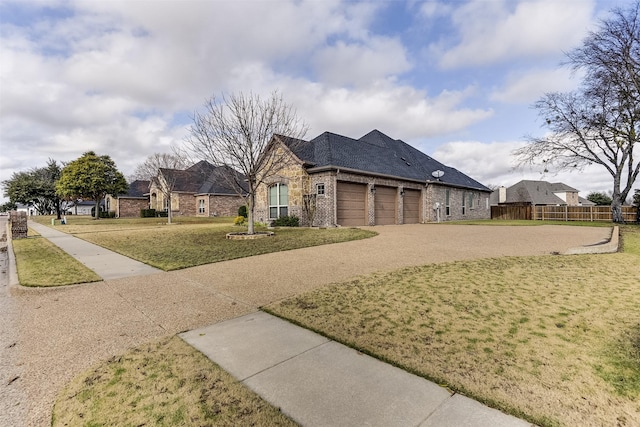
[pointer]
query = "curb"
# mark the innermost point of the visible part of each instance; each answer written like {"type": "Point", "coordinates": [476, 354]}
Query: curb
{"type": "Point", "coordinates": [608, 247]}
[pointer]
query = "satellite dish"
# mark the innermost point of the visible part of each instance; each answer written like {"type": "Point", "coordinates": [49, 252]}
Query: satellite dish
{"type": "Point", "coordinates": [437, 174]}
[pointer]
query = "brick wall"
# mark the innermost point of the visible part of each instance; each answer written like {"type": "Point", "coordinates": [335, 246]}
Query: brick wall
{"type": "Point", "coordinates": [183, 204]}
{"type": "Point", "coordinates": [224, 205]}
{"type": "Point", "coordinates": [438, 194]}
{"type": "Point", "coordinates": [130, 208]}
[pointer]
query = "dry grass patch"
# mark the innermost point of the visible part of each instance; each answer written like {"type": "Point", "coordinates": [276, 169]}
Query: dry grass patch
{"type": "Point", "coordinates": [181, 246]}
{"type": "Point", "coordinates": [41, 263]}
{"type": "Point", "coordinates": [165, 383]}
{"type": "Point", "coordinates": [554, 339]}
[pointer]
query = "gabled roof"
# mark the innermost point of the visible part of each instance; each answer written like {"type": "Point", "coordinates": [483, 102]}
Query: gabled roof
{"type": "Point", "coordinates": [137, 189]}
{"type": "Point", "coordinates": [535, 192]}
{"type": "Point", "coordinates": [375, 154]}
{"type": "Point", "coordinates": [202, 178]}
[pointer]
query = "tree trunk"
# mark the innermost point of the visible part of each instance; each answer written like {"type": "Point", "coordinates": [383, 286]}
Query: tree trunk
{"type": "Point", "coordinates": [169, 216]}
{"type": "Point", "coordinates": [616, 209]}
{"type": "Point", "coordinates": [250, 207]}
{"type": "Point", "coordinates": [97, 209]}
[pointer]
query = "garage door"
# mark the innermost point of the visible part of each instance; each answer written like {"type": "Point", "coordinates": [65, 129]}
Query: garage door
{"type": "Point", "coordinates": [352, 204]}
{"type": "Point", "coordinates": [411, 207]}
{"type": "Point", "coordinates": [385, 205]}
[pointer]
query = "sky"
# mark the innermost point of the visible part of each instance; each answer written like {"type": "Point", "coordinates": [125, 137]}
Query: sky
{"type": "Point", "coordinates": [455, 79]}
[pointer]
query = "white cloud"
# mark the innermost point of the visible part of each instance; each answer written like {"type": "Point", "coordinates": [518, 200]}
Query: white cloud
{"type": "Point", "coordinates": [526, 88]}
{"type": "Point", "coordinates": [501, 30]}
{"type": "Point", "coordinates": [434, 9]}
{"type": "Point", "coordinates": [360, 65]}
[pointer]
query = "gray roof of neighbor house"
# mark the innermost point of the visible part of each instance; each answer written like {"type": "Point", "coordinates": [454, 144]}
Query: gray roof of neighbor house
{"type": "Point", "coordinates": [204, 178]}
{"type": "Point", "coordinates": [534, 192]}
{"type": "Point", "coordinates": [137, 189]}
{"type": "Point", "coordinates": [376, 154]}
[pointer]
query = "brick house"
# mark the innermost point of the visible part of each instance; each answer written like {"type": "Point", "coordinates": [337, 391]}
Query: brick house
{"type": "Point", "coordinates": [200, 190]}
{"type": "Point", "coordinates": [538, 193]}
{"type": "Point", "coordinates": [129, 205]}
{"type": "Point", "coordinates": [375, 180]}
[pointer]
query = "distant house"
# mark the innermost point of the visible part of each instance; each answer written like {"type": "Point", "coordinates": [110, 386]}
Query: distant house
{"type": "Point", "coordinates": [83, 207]}
{"type": "Point", "coordinates": [200, 190]}
{"type": "Point", "coordinates": [29, 209]}
{"type": "Point", "coordinates": [375, 180]}
{"type": "Point", "coordinates": [538, 193]}
{"type": "Point", "coordinates": [129, 205]}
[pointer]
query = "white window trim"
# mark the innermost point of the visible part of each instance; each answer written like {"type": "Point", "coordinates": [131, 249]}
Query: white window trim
{"type": "Point", "coordinates": [278, 206]}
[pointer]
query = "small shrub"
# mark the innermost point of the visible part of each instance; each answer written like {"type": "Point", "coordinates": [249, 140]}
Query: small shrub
{"type": "Point", "coordinates": [242, 211]}
{"type": "Point", "coordinates": [147, 213]}
{"type": "Point", "coordinates": [287, 221]}
{"type": "Point", "coordinates": [162, 214]}
{"type": "Point", "coordinates": [239, 220]}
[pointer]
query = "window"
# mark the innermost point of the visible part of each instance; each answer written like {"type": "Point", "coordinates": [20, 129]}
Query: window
{"type": "Point", "coordinates": [320, 189]}
{"type": "Point", "coordinates": [201, 206]}
{"type": "Point", "coordinates": [471, 200]}
{"type": "Point", "coordinates": [464, 203]}
{"type": "Point", "coordinates": [447, 206]}
{"type": "Point", "coordinates": [278, 201]}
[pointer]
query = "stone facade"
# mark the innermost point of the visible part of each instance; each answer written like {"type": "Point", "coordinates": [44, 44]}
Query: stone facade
{"type": "Point", "coordinates": [463, 204]}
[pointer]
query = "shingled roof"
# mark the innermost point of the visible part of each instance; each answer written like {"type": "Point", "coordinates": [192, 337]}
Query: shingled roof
{"type": "Point", "coordinates": [536, 193]}
{"type": "Point", "coordinates": [137, 189]}
{"type": "Point", "coordinates": [375, 154]}
{"type": "Point", "coordinates": [202, 178]}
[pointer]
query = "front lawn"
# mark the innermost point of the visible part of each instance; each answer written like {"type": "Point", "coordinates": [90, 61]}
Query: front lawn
{"type": "Point", "coordinates": [41, 263]}
{"type": "Point", "coordinates": [164, 383]}
{"type": "Point", "coordinates": [553, 339]}
{"type": "Point", "coordinates": [194, 241]}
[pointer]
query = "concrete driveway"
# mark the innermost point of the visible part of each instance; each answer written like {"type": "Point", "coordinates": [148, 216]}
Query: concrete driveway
{"type": "Point", "coordinates": [60, 332]}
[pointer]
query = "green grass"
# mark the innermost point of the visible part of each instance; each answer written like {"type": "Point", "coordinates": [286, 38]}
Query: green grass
{"type": "Point", "coordinates": [186, 243]}
{"type": "Point", "coordinates": [553, 339]}
{"type": "Point", "coordinates": [195, 241]}
{"type": "Point", "coordinates": [163, 383]}
{"type": "Point", "coordinates": [41, 263]}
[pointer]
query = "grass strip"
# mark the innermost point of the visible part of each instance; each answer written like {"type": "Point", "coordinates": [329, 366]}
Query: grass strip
{"type": "Point", "coordinates": [41, 263]}
{"type": "Point", "coordinates": [163, 383]}
{"type": "Point", "coordinates": [553, 339]}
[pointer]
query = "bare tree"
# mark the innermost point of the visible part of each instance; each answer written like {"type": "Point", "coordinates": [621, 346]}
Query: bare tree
{"type": "Point", "coordinates": [237, 131]}
{"type": "Point", "coordinates": [600, 122]}
{"type": "Point", "coordinates": [148, 169]}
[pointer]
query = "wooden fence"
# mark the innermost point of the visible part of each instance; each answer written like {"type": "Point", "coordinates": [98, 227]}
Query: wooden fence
{"type": "Point", "coordinates": [560, 213]}
{"type": "Point", "coordinates": [512, 212]}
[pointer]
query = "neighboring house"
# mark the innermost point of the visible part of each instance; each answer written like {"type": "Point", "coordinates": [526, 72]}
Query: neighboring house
{"type": "Point", "coordinates": [200, 190]}
{"type": "Point", "coordinates": [29, 209]}
{"type": "Point", "coordinates": [375, 180]}
{"type": "Point", "coordinates": [83, 207]}
{"type": "Point", "coordinates": [538, 193]}
{"type": "Point", "coordinates": [129, 205]}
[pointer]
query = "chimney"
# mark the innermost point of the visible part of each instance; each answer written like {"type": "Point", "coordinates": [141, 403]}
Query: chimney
{"type": "Point", "coordinates": [502, 194]}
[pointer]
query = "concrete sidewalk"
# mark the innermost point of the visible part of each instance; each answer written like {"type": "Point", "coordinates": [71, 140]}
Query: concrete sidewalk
{"type": "Point", "coordinates": [318, 382]}
{"type": "Point", "coordinates": [107, 264]}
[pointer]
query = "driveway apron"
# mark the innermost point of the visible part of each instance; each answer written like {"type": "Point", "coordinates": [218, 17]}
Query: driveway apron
{"type": "Point", "coordinates": [63, 331]}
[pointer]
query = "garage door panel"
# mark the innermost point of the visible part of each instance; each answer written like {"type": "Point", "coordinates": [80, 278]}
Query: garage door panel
{"type": "Point", "coordinates": [411, 206]}
{"type": "Point", "coordinates": [385, 205]}
{"type": "Point", "coordinates": [351, 200]}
